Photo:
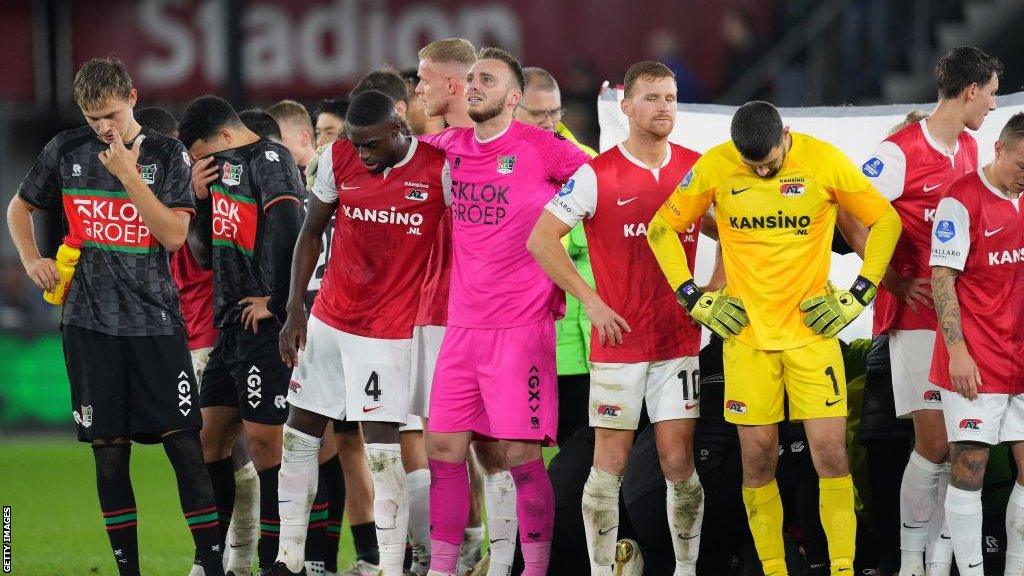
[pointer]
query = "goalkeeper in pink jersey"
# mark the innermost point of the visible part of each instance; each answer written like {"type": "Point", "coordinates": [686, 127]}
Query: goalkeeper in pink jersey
{"type": "Point", "coordinates": [495, 376]}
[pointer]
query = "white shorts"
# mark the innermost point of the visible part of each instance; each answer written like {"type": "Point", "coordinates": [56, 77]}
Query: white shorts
{"type": "Point", "coordinates": [618, 392]}
{"type": "Point", "coordinates": [200, 358]}
{"type": "Point", "coordinates": [344, 376]}
{"type": "Point", "coordinates": [413, 423]}
{"type": "Point", "coordinates": [426, 345]}
{"type": "Point", "coordinates": [910, 359]}
{"type": "Point", "coordinates": [989, 418]}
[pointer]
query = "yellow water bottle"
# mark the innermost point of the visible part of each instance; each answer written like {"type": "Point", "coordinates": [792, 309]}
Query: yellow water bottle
{"type": "Point", "coordinates": [67, 258]}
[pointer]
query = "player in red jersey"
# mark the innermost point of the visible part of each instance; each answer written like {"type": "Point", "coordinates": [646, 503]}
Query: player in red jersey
{"type": "Point", "coordinates": [912, 168]}
{"type": "Point", "coordinates": [977, 259]}
{"type": "Point", "coordinates": [648, 347]}
{"type": "Point", "coordinates": [389, 191]}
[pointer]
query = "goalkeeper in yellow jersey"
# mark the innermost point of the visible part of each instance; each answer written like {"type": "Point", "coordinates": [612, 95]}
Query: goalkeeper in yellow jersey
{"type": "Point", "coordinates": [775, 196]}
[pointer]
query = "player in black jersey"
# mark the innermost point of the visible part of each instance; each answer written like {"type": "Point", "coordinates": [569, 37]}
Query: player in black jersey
{"type": "Point", "coordinates": [251, 215]}
{"type": "Point", "coordinates": [124, 342]}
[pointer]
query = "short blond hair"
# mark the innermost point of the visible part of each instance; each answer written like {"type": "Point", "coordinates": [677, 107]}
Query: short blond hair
{"type": "Point", "coordinates": [455, 50]}
{"type": "Point", "coordinates": [100, 79]}
{"type": "Point", "coordinates": [292, 112]}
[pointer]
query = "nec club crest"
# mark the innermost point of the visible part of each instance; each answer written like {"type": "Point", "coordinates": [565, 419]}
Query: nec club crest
{"type": "Point", "coordinates": [505, 164]}
{"type": "Point", "coordinates": [148, 172]}
{"type": "Point", "coordinates": [232, 174]}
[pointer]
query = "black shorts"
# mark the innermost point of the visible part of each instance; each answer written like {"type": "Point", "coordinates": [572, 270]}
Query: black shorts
{"type": "Point", "coordinates": [878, 419]}
{"type": "Point", "coordinates": [342, 426]}
{"type": "Point", "coordinates": [137, 387]}
{"type": "Point", "coordinates": [245, 371]}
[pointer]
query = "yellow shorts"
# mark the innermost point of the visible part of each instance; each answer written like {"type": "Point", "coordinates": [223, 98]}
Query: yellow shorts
{"type": "Point", "coordinates": [756, 381]}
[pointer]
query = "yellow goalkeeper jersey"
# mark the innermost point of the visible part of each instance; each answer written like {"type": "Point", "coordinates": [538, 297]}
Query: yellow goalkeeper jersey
{"type": "Point", "coordinates": [776, 233]}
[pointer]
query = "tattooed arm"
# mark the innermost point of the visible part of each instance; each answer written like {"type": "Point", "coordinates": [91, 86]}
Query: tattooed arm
{"type": "Point", "coordinates": [963, 372]}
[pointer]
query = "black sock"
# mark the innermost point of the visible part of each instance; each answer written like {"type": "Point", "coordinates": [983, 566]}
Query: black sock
{"type": "Point", "coordinates": [222, 478]}
{"type": "Point", "coordinates": [316, 530]}
{"type": "Point", "coordinates": [195, 491]}
{"type": "Point", "coordinates": [270, 517]}
{"type": "Point", "coordinates": [332, 479]}
{"type": "Point", "coordinates": [364, 537]}
{"type": "Point", "coordinates": [117, 503]}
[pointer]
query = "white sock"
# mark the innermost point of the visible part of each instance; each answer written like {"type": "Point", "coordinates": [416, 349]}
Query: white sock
{"type": "Point", "coordinates": [243, 531]}
{"type": "Point", "coordinates": [938, 555]}
{"type": "Point", "coordinates": [601, 519]}
{"type": "Point", "coordinates": [1015, 531]}
{"type": "Point", "coordinates": [390, 505]}
{"type": "Point", "coordinates": [296, 490]}
{"type": "Point", "coordinates": [964, 514]}
{"type": "Point", "coordinates": [417, 483]}
{"type": "Point", "coordinates": [685, 503]}
{"type": "Point", "coordinates": [315, 568]}
{"type": "Point", "coordinates": [917, 504]}
{"type": "Point", "coordinates": [502, 522]}
{"type": "Point", "coordinates": [472, 548]}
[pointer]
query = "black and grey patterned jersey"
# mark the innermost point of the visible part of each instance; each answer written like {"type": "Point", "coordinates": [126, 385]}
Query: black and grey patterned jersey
{"type": "Point", "coordinates": [252, 179]}
{"type": "Point", "coordinates": [122, 284]}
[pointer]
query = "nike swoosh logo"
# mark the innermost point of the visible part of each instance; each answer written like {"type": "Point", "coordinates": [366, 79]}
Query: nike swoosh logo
{"type": "Point", "coordinates": [681, 537]}
{"type": "Point", "coordinates": [691, 406]}
{"type": "Point", "coordinates": [905, 525]}
{"type": "Point", "coordinates": [368, 410]}
{"type": "Point", "coordinates": [603, 532]}
{"type": "Point", "coordinates": [622, 202]}
{"type": "Point", "coordinates": [944, 537]}
{"type": "Point", "coordinates": [380, 528]}
{"type": "Point", "coordinates": [975, 565]}
{"type": "Point", "coordinates": [993, 232]}
{"type": "Point", "coordinates": [735, 191]}
{"type": "Point", "coordinates": [344, 187]}
{"type": "Point", "coordinates": [495, 541]}
{"type": "Point", "coordinates": [833, 403]}
{"type": "Point", "coordinates": [928, 188]}
{"type": "Point", "coordinates": [238, 545]}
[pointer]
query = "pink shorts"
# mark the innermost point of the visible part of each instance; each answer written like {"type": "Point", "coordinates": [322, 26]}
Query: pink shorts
{"type": "Point", "coordinates": [498, 383]}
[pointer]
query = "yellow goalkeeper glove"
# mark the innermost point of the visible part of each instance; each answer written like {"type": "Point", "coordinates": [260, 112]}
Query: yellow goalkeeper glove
{"type": "Point", "coordinates": [722, 314]}
{"type": "Point", "coordinates": [829, 314]}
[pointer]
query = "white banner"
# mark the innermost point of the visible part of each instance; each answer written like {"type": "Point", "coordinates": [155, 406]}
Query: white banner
{"type": "Point", "coordinates": [856, 130]}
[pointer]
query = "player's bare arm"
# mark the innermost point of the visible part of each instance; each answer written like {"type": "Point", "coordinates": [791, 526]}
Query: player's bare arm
{"type": "Point", "coordinates": [42, 271]}
{"type": "Point", "coordinates": [963, 372]}
{"type": "Point", "coordinates": [307, 250]}
{"type": "Point", "coordinates": [912, 291]}
{"type": "Point", "coordinates": [168, 226]}
{"type": "Point", "coordinates": [545, 246]}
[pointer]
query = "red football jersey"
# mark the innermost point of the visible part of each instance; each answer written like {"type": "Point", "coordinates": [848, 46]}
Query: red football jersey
{"type": "Point", "coordinates": [433, 309]}
{"type": "Point", "coordinates": [616, 195]}
{"type": "Point", "coordinates": [980, 231]}
{"type": "Point", "coordinates": [385, 227]}
{"type": "Point", "coordinates": [195, 290]}
{"type": "Point", "coordinates": [913, 172]}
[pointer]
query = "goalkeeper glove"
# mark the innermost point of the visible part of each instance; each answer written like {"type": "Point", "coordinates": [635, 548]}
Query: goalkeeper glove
{"type": "Point", "coordinates": [722, 314]}
{"type": "Point", "coordinates": [829, 314]}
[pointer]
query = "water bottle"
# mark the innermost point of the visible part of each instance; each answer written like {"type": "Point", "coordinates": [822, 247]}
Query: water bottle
{"type": "Point", "coordinates": [67, 258]}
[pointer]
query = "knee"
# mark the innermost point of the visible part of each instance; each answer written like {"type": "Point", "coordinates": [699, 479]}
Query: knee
{"type": "Point", "coordinates": [830, 461]}
{"type": "Point", "coordinates": [445, 450]}
{"type": "Point", "coordinates": [677, 464]}
{"type": "Point", "coordinates": [968, 463]}
{"type": "Point", "coordinates": [759, 464]}
{"type": "Point", "coordinates": [933, 449]}
{"type": "Point", "coordinates": [265, 448]}
{"type": "Point", "coordinates": [611, 459]}
{"type": "Point", "coordinates": [517, 453]}
{"type": "Point", "coordinates": [491, 457]}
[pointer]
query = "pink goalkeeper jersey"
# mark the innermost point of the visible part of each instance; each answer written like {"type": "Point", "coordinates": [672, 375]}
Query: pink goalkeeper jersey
{"type": "Point", "coordinates": [499, 188]}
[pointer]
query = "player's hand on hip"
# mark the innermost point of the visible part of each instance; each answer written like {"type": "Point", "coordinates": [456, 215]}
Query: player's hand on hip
{"type": "Point", "coordinates": [829, 314]}
{"type": "Point", "coordinates": [609, 325]}
{"type": "Point", "coordinates": [43, 273]}
{"type": "Point", "coordinates": [204, 173]}
{"type": "Point", "coordinates": [120, 161]}
{"type": "Point", "coordinates": [721, 313]}
{"type": "Point", "coordinates": [292, 337]}
{"type": "Point", "coordinates": [963, 372]}
{"type": "Point", "coordinates": [254, 309]}
{"type": "Point", "coordinates": [910, 291]}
